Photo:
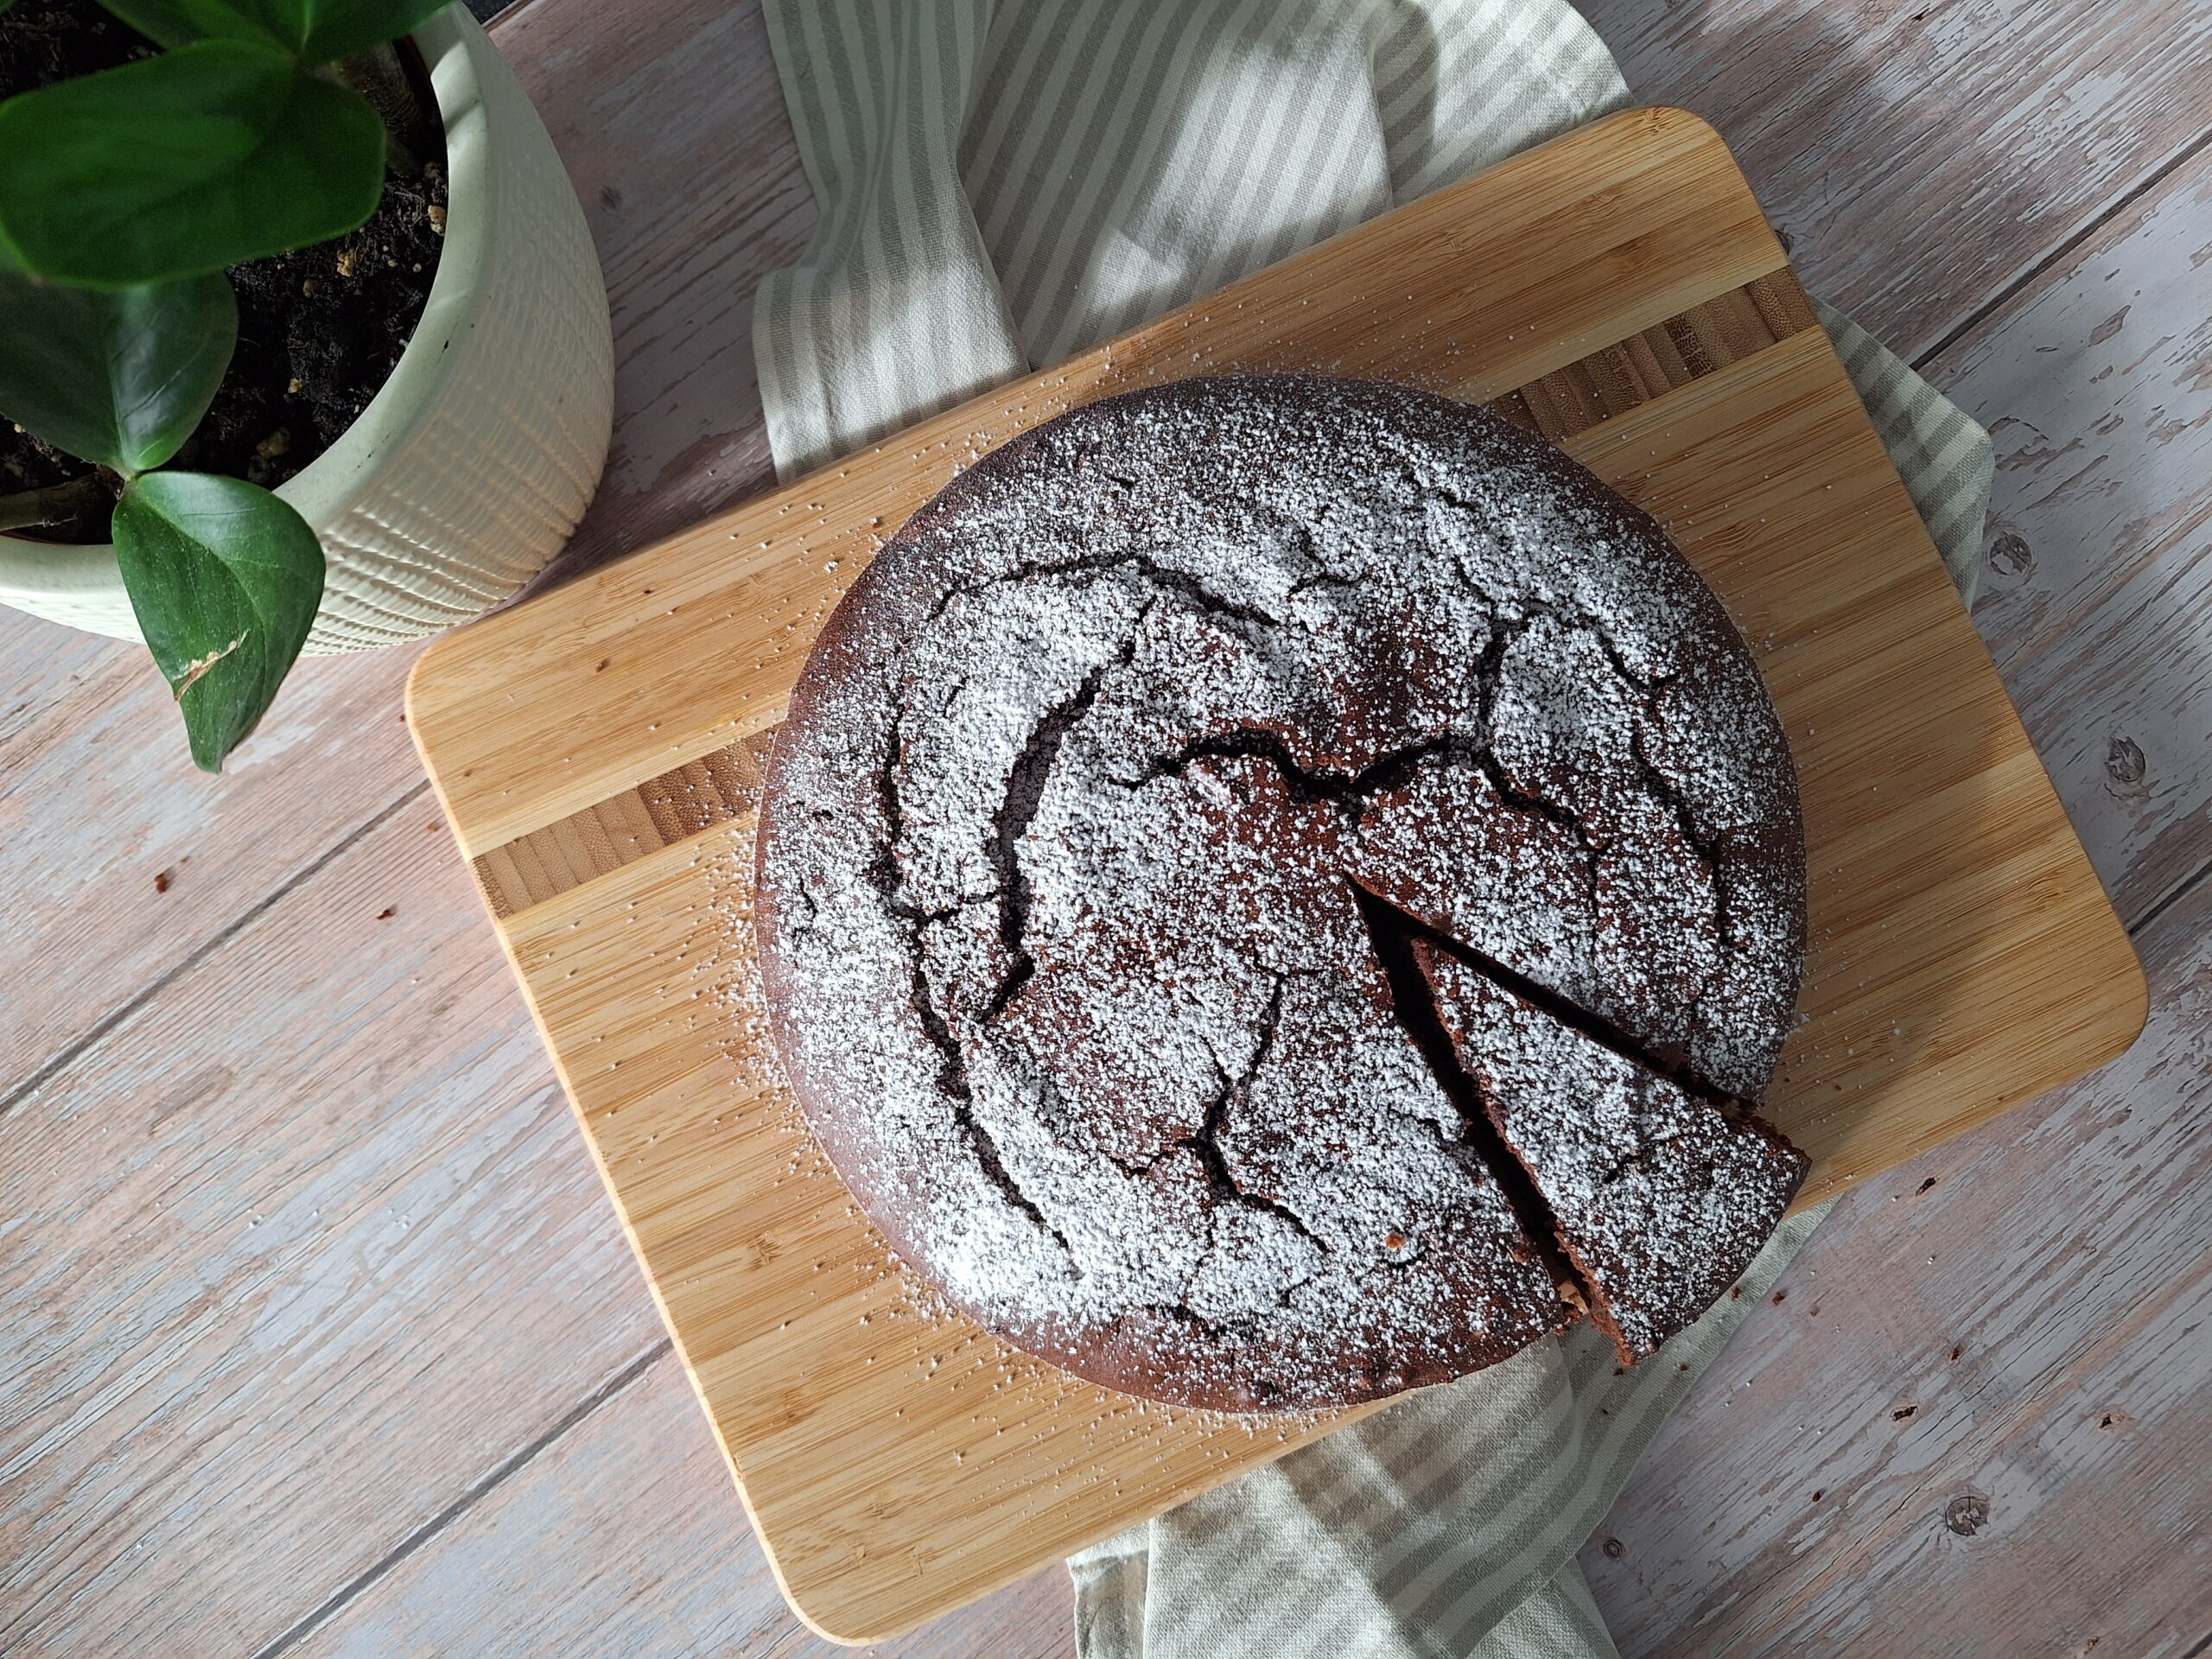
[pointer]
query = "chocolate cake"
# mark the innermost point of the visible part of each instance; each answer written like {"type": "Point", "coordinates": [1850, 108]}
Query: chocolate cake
{"type": "Point", "coordinates": [1277, 890]}
{"type": "Point", "coordinates": [1658, 1190]}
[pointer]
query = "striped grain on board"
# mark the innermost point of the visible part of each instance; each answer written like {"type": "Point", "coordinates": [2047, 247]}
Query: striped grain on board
{"type": "Point", "coordinates": [657, 813]}
{"type": "Point", "coordinates": [725, 785]}
{"type": "Point", "coordinates": [1612, 381]}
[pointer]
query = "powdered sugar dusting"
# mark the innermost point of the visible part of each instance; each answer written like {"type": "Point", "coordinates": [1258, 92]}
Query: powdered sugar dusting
{"type": "Point", "coordinates": [1062, 857]}
{"type": "Point", "coordinates": [1661, 1198]}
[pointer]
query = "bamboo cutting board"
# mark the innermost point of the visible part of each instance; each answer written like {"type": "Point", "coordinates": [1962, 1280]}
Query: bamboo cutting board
{"type": "Point", "coordinates": [598, 751]}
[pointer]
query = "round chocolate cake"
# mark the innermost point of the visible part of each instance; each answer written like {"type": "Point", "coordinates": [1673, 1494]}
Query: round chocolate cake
{"type": "Point", "coordinates": [1278, 889]}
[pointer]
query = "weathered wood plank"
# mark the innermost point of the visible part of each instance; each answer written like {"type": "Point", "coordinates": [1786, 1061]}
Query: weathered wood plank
{"type": "Point", "coordinates": [1918, 157]}
{"type": "Point", "coordinates": [2097, 386]}
{"type": "Point", "coordinates": [288, 1260]}
{"type": "Point", "coordinates": [637, 1523]}
{"type": "Point", "coordinates": [134, 858]}
{"type": "Point", "coordinates": [1958, 1336]}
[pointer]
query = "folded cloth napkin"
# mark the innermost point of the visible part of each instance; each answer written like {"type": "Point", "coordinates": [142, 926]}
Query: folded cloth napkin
{"type": "Point", "coordinates": [1003, 183]}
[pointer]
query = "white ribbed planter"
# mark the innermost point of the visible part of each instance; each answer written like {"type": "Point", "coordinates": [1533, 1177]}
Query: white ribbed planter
{"type": "Point", "coordinates": [470, 468]}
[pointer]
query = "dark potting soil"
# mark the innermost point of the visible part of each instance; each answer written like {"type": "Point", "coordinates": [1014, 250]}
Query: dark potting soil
{"type": "Point", "coordinates": [320, 330]}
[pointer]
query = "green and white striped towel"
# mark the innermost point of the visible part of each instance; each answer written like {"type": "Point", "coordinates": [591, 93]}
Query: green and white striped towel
{"type": "Point", "coordinates": [1003, 183]}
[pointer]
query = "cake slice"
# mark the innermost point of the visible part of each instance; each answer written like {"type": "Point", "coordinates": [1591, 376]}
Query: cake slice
{"type": "Point", "coordinates": [1659, 1195]}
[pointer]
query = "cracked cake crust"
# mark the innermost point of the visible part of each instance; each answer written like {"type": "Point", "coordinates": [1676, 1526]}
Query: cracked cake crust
{"type": "Point", "coordinates": [1107, 801]}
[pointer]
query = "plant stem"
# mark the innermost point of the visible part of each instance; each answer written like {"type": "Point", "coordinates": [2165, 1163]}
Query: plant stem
{"type": "Point", "coordinates": [410, 130]}
{"type": "Point", "coordinates": [55, 504]}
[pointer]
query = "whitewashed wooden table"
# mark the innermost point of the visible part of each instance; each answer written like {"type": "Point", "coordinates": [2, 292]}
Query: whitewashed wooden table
{"type": "Point", "coordinates": [317, 1335]}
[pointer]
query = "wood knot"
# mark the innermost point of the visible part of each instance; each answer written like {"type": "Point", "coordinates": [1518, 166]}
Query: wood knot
{"type": "Point", "coordinates": [1614, 1549]}
{"type": "Point", "coordinates": [2124, 769]}
{"type": "Point", "coordinates": [1967, 1514]}
{"type": "Point", "coordinates": [2009, 554]}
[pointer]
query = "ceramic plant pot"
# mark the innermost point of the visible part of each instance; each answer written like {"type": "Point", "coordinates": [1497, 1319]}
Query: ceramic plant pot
{"type": "Point", "coordinates": [469, 469]}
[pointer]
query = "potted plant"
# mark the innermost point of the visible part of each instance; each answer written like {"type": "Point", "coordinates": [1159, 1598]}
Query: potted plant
{"type": "Point", "coordinates": [217, 159]}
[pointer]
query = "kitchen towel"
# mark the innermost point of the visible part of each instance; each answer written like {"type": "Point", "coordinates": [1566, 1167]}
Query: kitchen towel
{"type": "Point", "coordinates": [1003, 183]}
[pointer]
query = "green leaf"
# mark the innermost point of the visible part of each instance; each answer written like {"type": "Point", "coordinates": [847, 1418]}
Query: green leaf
{"type": "Point", "coordinates": [206, 156]}
{"type": "Point", "coordinates": [338, 28]}
{"type": "Point", "coordinates": [317, 30]}
{"type": "Point", "coordinates": [224, 579]}
{"type": "Point", "coordinates": [118, 376]}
